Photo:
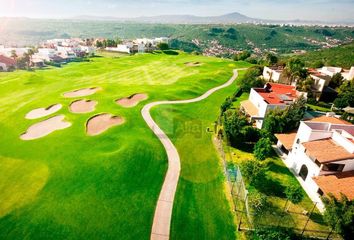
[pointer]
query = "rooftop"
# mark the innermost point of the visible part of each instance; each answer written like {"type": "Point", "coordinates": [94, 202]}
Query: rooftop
{"type": "Point", "coordinates": [287, 139]}
{"type": "Point", "coordinates": [249, 107]}
{"type": "Point", "coordinates": [274, 93]}
{"type": "Point", "coordinates": [326, 150]}
{"type": "Point", "coordinates": [7, 60]}
{"type": "Point", "coordinates": [333, 120]}
{"type": "Point", "coordinates": [336, 184]}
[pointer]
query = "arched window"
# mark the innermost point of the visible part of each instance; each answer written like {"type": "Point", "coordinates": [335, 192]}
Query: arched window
{"type": "Point", "coordinates": [303, 172]}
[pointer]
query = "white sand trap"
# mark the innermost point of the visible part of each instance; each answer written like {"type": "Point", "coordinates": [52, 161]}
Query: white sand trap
{"type": "Point", "coordinates": [133, 100]}
{"type": "Point", "coordinates": [45, 127]}
{"type": "Point", "coordinates": [43, 112]}
{"type": "Point", "coordinates": [82, 92]}
{"type": "Point", "coordinates": [193, 64]}
{"type": "Point", "coordinates": [82, 106]}
{"type": "Point", "coordinates": [100, 123]}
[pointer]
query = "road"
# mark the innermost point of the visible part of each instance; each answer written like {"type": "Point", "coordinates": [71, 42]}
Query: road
{"type": "Point", "coordinates": [163, 212]}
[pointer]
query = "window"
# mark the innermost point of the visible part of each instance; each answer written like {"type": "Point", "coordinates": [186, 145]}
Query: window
{"type": "Point", "coordinates": [320, 192]}
{"type": "Point", "coordinates": [298, 140]}
{"type": "Point", "coordinates": [318, 163]}
{"type": "Point", "coordinates": [333, 167]}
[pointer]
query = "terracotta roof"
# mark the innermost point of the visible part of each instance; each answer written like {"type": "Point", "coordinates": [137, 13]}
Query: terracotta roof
{"type": "Point", "coordinates": [277, 93]}
{"type": "Point", "coordinates": [332, 120]}
{"type": "Point", "coordinates": [8, 61]}
{"type": "Point", "coordinates": [338, 183]}
{"type": "Point", "coordinates": [326, 150]}
{"type": "Point", "coordinates": [250, 108]}
{"type": "Point", "coordinates": [287, 139]}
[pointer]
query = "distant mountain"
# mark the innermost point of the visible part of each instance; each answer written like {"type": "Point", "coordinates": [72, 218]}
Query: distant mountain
{"type": "Point", "coordinates": [231, 18]}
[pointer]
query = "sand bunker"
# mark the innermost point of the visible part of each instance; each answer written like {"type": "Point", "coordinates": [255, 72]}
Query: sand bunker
{"type": "Point", "coordinates": [132, 101]}
{"type": "Point", "coordinates": [82, 92]}
{"type": "Point", "coordinates": [45, 127]}
{"type": "Point", "coordinates": [193, 64]}
{"type": "Point", "coordinates": [82, 106]}
{"type": "Point", "coordinates": [43, 112]}
{"type": "Point", "coordinates": [100, 123]}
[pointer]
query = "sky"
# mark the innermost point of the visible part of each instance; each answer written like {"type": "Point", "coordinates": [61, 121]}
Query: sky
{"type": "Point", "coordinates": [324, 10]}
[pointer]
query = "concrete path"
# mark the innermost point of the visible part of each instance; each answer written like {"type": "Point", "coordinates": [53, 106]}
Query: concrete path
{"type": "Point", "coordinates": [163, 212]}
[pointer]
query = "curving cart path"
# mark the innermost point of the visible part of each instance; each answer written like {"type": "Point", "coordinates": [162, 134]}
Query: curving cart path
{"type": "Point", "coordinates": [163, 212]}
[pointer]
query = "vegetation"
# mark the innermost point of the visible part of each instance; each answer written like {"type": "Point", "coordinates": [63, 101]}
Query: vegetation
{"type": "Point", "coordinates": [342, 56]}
{"type": "Point", "coordinates": [294, 193]}
{"type": "Point", "coordinates": [346, 95]}
{"type": "Point", "coordinates": [70, 184]}
{"type": "Point", "coordinates": [163, 46]}
{"type": "Point", "coordinates": [251, 79]}
{"type": "Point", "coordinates": [340, 215]}
{"type": "Point", "coordinates": [263, 149]}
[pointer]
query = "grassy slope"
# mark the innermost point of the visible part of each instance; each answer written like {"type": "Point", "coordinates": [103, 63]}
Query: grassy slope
{"type": "Point", "coordinates": [100, 187]}
{"type": "Point", "coordinates": [201, 210]}
{"type": "Point", "coordinates": [342, 56]}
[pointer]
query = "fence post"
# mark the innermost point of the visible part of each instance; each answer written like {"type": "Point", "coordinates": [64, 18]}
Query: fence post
{"type": "Point", "coordinates": [308, 219]}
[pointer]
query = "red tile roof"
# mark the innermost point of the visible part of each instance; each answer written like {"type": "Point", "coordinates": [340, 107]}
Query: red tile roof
{"type": "Point", "coordinates": [326, 150]}
{"type": "Point", "coordinates": [336, 184]}
{"type": "Point", "coordinates": [7, 61]}
{"type": "Point", "coordinates": [277, 93]}
{"type": "Point", "coordinates": [332, 120]}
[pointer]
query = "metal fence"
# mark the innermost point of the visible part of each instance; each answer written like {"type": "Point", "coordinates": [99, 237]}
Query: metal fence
{"type": "Point", "coordinates": [303, 220]}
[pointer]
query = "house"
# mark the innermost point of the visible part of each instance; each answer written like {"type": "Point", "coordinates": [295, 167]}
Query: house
{"type": "Point", "coordinates": [321, 155]}
{"type": "Point", "coordinates": [320, 89]}
{"type": "Point", "coordinates": [348, 74]}
{"type": "Point", "coordinates": [6, 63]}
{"type": "Point", "coordinates": [272, 96]}
{"type": "Point", "coordinates": [274, 74]}
{"type": "Point", "coordinates": [330, 71]}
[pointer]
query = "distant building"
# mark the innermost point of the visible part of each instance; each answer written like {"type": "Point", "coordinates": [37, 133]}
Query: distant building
{"type": "Point", "coordinates": [6, 63]}
{"type": "Point", "coordinates": [272, 96]}
{"type": "Point", "coordinates": [320, 89]}
{"type": "Point", "coordinates": [321, 154]}
{"type": "Point", "coordinates": [348, 74]}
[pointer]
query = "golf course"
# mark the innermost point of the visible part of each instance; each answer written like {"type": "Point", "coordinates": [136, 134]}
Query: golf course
{"type": "Point", "coordinates": [78, 161]}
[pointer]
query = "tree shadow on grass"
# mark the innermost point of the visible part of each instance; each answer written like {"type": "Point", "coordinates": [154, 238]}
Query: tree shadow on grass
{"type": "Point", "coordinates": [244, 147]}
{"type": "Point", "coordinates": [274, 167]}
{"type": "Point", "coordinates": [270, 187]}
{"type": "Point", "coordinates": [171, 52]}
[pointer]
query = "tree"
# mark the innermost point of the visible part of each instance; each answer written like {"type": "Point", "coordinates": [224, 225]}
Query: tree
{"type": "Point", "coordinates": [271, 59]}
{"type": "Point", "coordinates": [305, 85]}
{"type": "Point", "coordinates": [226, 104]}
{"type": "Point", "coordinates": [346, 95]}
{"type": "Point", "coordinates": [294, 194]}
{"type": "Point", "coordinates": [336, 81]}
{"type": "Point", "coordinates": [242, 56]}
{"type": "Point", "coordinates": [14, 54]}
{"type": "Point", "coordinates": [250, 134]}
{"type": "Point", "coordinates": [234, 121]}
{"type": "Point", "coordinates": [253, 171]}
{"type": "Point", "coordinates": [263, 149]}
{"type": "Point", "coordinates": [163, 46]}
{"type": "Point", "coordinates": [339, 214]}
{"type": "Point", "coordinates": [295, 69]}
{"type": "Point", "coordinates": [251, 79]}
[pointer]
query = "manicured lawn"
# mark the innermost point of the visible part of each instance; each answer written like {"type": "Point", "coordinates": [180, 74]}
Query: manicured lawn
{"type": "Point", "coordinates": [318, 108]}
{"type": "Point", "coordinates": [70, 185]}
{"type": "Point", "coordinates": [201, 210]}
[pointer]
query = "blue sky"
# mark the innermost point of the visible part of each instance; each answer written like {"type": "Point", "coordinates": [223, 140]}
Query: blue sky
{"type": "Point", "coordinates": [267, 9]}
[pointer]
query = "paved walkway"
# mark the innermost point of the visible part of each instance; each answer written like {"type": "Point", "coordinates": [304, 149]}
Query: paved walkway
{"type": "Point", "coordinates": [163, 212]}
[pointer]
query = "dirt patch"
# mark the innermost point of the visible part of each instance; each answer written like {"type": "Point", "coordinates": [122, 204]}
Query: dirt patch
{"type": "Point", "coordinates": [43, 112]}
{"type": "Point", "coordinates": [100, 123]}
{"type": "Point", "coordinates": [45, 127]}
{"type": "Point", "coordinates": [81, 92]}
{"type": "Point", "coordinates": [132, 101]}
{"type": "Point", "coordinates": [82, 106]}
{"type": "Point", "coordinates": [193, 64]}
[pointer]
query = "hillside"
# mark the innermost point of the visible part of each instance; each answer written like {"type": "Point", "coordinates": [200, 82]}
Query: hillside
{"type": "Point", "coordinates": [342, 56]}
{"type": "Point", "coordinates": [234, 36]}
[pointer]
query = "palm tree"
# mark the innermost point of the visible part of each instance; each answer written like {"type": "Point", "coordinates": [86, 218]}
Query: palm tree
{"type": "Point", "coordinates": [14, 54]}
{"type": "Point", "coordinates": [295, 69]}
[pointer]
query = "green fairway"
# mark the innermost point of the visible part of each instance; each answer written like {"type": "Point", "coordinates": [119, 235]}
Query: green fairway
{"type": "Point", "coordinates": [68, 185]}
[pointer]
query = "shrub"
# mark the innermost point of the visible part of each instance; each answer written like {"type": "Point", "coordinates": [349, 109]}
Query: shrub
{"type": "Point", "coordinates": [257, 201]}
{"type": "Point", "coordinates": [253, 171]}
{"type": "Point", "coordinates": [294, 193]}
{"type": "Point", "coordinates": [263, 149]}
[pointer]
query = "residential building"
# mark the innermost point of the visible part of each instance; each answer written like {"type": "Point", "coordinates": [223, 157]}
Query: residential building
{"type": "Point", "coordinates": [272, 96]}
{"type": "Point", "coordinates": [348, 74]}
{"type": "Point", "coordinates": [6, 63]}
{"type": "Point", "coordinates": [321, 155]}
{"type": "Point", "coordinates": [320, 89]}
{"type": "Point", "coordinates": [274, 74]}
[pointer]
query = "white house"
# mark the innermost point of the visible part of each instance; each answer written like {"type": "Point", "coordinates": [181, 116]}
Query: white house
{"type": "Point", "coordinates": [272, 96]}
{"type": "Point", "coordinates": [274, 74]}
{"type": "Point", "coordinates": [330, 71]}
{"type": "Point", "coordinates": [321, 154]}
{"type": "Point", "coordinates": [348, 74]}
